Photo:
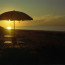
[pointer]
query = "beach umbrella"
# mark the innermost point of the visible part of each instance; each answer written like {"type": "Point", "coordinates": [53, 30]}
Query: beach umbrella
{"type": "Point", "coordinates": [15, 16]}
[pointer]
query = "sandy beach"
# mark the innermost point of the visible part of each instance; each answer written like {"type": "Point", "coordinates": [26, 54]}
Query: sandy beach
{"type": "Point", "coordinates": [34, 47]}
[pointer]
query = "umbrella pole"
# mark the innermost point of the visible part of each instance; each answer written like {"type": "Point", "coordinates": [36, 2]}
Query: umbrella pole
{"type": "Point", "coordinates": [14, 40]}
{"type": "Point", "coordinates": [14, 28]}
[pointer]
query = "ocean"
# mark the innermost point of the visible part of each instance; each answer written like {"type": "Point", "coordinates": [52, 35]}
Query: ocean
{"type": "Point", "coordinates": [46, 28]}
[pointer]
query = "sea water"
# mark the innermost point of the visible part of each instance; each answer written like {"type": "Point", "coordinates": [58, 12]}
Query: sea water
{"type": "Point", "coordinates": [46, 28]}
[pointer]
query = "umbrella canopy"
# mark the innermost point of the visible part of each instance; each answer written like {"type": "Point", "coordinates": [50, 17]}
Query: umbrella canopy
{"type": "Point", "coordinates": [15, 15]}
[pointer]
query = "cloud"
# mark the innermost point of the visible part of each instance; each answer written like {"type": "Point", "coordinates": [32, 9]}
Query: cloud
{"type": "Point", "coordinates": [47, 20]}
{"type": "Point", "coordinates": [50, 20]}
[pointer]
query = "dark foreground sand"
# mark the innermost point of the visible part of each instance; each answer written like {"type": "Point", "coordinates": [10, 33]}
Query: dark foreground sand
{"type": "Point", "coordinates": [40, 47]}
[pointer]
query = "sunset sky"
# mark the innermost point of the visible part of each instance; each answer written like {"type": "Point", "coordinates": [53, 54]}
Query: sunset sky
{"type": "Point", "coordinates": [44, 12]}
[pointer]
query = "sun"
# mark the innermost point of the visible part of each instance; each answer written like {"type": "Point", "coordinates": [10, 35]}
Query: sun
{"type": "Point", "coordinates": [8, 27]}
